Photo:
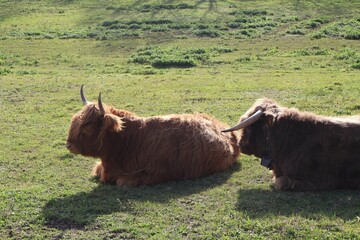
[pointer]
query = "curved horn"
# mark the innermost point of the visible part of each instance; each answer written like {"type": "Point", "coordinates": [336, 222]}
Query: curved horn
{"type": "Point", "coordinates": [83, 99]}
{"type": "Point", "coordinates": [101, 107]}
{"type": "Point", "coordinates": [247, 122]}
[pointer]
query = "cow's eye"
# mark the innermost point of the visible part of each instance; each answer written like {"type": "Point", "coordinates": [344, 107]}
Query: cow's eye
{"type": "Point", "coordinates": [86, 129]}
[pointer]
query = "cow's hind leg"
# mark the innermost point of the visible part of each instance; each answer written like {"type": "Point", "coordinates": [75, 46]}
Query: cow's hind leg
{"type": "Point", "coordinates": [289, 184]}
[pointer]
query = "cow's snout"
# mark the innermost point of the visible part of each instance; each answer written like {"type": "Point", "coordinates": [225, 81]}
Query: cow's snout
{"type": "Point", "coordinates": [72, 147]}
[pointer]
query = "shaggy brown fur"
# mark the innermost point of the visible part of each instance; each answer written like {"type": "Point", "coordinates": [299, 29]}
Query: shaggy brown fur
{"type": "Point", "coordinates": [308, 152]}
{"type": "Point", "coordinates": [142, 151]}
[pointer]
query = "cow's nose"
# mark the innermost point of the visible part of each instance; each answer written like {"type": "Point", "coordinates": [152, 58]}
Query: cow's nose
{"type": "Point", "coordinates": [68, 145]}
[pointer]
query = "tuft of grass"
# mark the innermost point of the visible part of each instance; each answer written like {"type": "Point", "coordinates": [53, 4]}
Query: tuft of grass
{"type": "Point", "coordinates": [5, 71]}
{"type": "Point", "coordinates": [348, 55]}
{"type": "Point", "coordinates": [305, 26]}
{"type": "Point", "coordinates": [175, 57]}
{"type": "Point", "coordinates": [348, 29]}
{"type": "Point", "coordinates": [208, 33]}
{"type": "Point", "coordinates": [243, 59]}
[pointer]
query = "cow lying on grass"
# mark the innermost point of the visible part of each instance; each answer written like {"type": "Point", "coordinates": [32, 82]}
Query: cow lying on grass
{"type": "Point", "coordinates": [305, 151]}
{"type": "Point", "coordinates": [142, 151]}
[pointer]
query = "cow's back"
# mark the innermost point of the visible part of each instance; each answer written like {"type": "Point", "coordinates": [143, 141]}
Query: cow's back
{"type": "Point", "coordinates": [179, 146]}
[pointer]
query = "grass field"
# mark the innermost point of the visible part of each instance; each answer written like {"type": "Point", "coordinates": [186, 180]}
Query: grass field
{"type": "Point", "coordinates": [159, 57]}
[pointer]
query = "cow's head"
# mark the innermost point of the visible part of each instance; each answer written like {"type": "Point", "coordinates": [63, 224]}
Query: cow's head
{"type": "Point", "coordinates": [89, 126]}
{"type": "Point", "coordinates": [254, 125]}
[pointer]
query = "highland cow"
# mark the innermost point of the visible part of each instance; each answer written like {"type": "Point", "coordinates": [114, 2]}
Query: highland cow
{"type": "Point", "coordinates": [306, 152]}
{"type": "Point", "coordinates": [150, 150]}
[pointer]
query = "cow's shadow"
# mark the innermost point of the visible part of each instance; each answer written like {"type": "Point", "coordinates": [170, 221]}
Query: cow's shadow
{"type": "Point", "coordinates": [79, 210]}
{"type": "Point", "coordinates": [260, 203]}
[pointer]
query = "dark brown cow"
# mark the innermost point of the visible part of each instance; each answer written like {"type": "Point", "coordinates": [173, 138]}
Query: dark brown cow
{"type": "Point", "coordinates": [305, 151]}
{"type": "Point", "coordinates": [142, 151]}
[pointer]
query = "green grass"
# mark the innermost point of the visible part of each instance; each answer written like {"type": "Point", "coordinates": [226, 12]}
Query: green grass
{"type": "Point", "coordinates": [238, 51]}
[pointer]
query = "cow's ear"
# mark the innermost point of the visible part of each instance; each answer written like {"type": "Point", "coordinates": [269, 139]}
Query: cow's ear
{"type": "Point", "coordinates": [269, 118]}
{"type": "Point", "coordinates": [112, 123]}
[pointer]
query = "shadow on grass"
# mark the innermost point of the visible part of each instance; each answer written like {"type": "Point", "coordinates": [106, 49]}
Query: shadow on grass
{"type": "Point", "coordinates": [79, 210]}
{"type": "Point", "coordinates": [259, 203]}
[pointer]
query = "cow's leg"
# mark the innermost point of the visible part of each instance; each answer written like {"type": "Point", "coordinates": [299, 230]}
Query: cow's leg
{"type": "Point", "coordinates": [136, 180]}
{"type": "Point", "coordinates": [127, 182]}
{"type": "Point", "coordinates": [281, 183]}
{"type": "Point", "coordinates": [98, 171]}
{"type": "Point", "coordinates": [289, 184]}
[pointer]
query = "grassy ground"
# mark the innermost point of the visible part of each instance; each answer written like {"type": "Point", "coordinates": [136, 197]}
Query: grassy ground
{"type": "Point", "coordinates": [159, 57]}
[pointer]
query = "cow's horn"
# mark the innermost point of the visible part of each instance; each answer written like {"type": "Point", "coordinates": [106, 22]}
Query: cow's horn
{"type": "Point", "coordinates": [101, 107]}
{"type": "Point", "coordinates": [83, 99]}
{"type": "Point", "coordinates": [247, 122]}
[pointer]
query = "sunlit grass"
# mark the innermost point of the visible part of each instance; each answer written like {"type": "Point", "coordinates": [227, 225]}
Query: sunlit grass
{"type": "Point", "coordinates": [47, 193]}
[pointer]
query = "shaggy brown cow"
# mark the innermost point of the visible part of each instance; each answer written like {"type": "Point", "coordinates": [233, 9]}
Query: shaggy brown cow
{"type": "Point", "coordinates": [142, 151]}
{"type": "Point", "coordinates": [305, 151]}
